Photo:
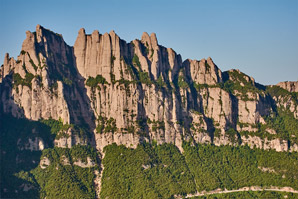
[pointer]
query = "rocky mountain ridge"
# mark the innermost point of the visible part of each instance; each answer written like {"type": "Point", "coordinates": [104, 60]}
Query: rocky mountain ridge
{"type": "Point", "coordinates": [127, 93]}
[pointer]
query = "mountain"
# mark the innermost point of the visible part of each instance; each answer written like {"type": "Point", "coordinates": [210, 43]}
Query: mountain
{"type": "Point", "coordinates": [69, 110]}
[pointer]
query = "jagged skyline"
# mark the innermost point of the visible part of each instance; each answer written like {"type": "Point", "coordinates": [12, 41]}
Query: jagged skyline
{"type": "Point", "coordinates": [142, 77]}
{"type": "Point", "coordinates": [89, 120]}
{"type": "Point", "coordinates": [260, 39]}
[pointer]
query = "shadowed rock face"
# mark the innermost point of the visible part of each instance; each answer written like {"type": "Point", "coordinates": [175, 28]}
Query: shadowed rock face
{"type": "Point", "coordinates": [135, 91]}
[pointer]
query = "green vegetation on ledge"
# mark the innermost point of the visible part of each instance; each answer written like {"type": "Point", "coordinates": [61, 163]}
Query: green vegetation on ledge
{"type": "Point", "coordinates": [157, 125]}
{"type": "Point", "coordinates": [106, 125]}
{"type": "Point", "coordinates": [144, 78]}
{"type": "Point", "coordinates": [136, 61]}
{"type": "Point", "coordinates": [282, 121]}
{"type": "Point", "coordinates": [285, 124]}
{"type": "Point", "coordinates": [182, 82]}
{"type": "Point", "coordinates": [276, 91]}
{"type": "Point", "coordinates": [239, 84]}
{"type": "Point", "coordinates": [18, 80]}
{"type": "Point", "coordinates": [94, 82]}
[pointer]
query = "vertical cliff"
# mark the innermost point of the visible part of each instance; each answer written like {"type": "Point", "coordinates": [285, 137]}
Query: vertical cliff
{"type": "Point", "coordinates": [127, 93]}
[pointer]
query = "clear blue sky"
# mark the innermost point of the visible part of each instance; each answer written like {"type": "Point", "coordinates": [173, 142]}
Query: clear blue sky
{"type": "Point", "coordinates": [259, 37]}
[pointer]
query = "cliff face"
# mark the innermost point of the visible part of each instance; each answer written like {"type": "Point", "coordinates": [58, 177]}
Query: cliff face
{"type": "Point", "coordinates": [126, 93]}
{"type": "Point", "coordinates": [289, 86]}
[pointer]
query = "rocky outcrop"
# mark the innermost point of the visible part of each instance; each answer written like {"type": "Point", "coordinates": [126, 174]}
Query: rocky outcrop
{"type": "Point", "coordinates": [44, 163]}
{"type": "Point", "coordinates": [68, 139]}
{"type": "Point", "coordinates": [79, 162]}
{"type": "Point", "coordinates": [37, 96]}
{"type": "Point", "coordinates": [127, 93]}
{"type": "Point", "coordinates": [217, 105]}
{"type": "Point", "coordinates": [65, 160]}
{"type": "Point", "coordinates": [203, 71]}
{"type": "Point", "coordinates": [44, 82]}
{"type": "Point", "coordinates": [129, 140]}
{"type": "Point", "coordinates": [257, 142]}
{"type": "Point", "coordinates": [93, 54]}
{"type": "Point", "coordinates": [289, 86]}
{"type": "Point", "coordinates": [38, 102]}
{"type": "Point", "coordinates": [287, 98]}
{"type": "Point", "coordinates": [276, 144]}
{"type": "Point", "coordinates": [8, 65]}
{"type": "Point", "coordinates": [89, 163]}
{"type": "Point", "coordinates": [251, 111]}
{"type": "Point", "coordinates": [288, 103]}
{"type": "Point", "coordinates": [267, 169]}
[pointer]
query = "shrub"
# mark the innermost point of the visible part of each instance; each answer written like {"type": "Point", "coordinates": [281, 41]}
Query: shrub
{"type": "Point", "coordinates": [33, 64]}
{"type": "Point", "coordinates": [113, 58]}
{"type": "Point", "coordinates": [67, 81]}
{"type": "Point", "coordinates": [93, 82]}
{"type": "Point", "coordinates": [182, 83]}
{"type": "Point", "coordinates": [160, 83]}
{"type": "Point", "coordinates": [136, 61]}
{"type": "Point", "coordinates": [106, 125]}
{"type": "Point", "coordinates": [144, 78]}
{"type": "Point", "coordinates": [18, 80]}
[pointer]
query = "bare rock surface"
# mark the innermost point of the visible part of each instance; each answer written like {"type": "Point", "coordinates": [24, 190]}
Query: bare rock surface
{"type": "Point", "coordinates": [128, 93]}
{"type": "Point", "coordinates": [289, 86]}
{"type": "Point", "coordinates": [44, 162]}
{"type": "Point", "coordinates": [83, 164]}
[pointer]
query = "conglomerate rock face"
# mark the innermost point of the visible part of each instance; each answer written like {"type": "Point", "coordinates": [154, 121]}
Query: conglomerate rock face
{"type": "Point", "coordinates": [127, 93]}
{"type": "Point", "coordinates": [290, 86]}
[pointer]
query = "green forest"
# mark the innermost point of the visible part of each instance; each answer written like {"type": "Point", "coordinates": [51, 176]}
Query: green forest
{"type": "Point", "coordinates": [161, 171]}
{"type": "Point", "coordinates": [149, 171]}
